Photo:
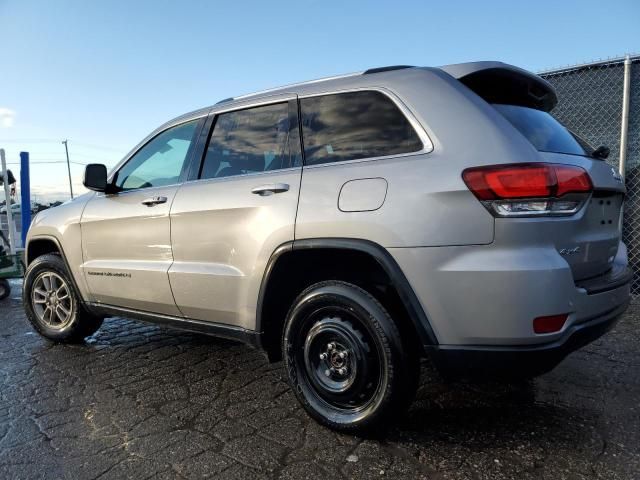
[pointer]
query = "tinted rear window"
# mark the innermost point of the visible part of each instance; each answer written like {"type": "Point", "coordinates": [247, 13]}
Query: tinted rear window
{"type": "Point", "coordinates": [258, 139]}
{"type": "Point", "coordinates": [349, 126]}
{"type": "Point", "coordinates": [542, 130]}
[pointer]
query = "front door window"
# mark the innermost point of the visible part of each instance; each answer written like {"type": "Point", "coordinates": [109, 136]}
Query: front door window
{"type": "Point", "coordinates": [161, 161]}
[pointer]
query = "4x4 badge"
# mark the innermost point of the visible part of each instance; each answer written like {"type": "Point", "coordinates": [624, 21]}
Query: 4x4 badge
{"type": "Point", "coordinates": [570, 251]}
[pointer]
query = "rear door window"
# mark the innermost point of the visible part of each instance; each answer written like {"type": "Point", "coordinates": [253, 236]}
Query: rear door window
{"type": "Point", "coordinates": [354, 125]}
{"type": "Point", "coordinates": [544, 132]}
{"type": "Point", "coordinates": [254, 140]}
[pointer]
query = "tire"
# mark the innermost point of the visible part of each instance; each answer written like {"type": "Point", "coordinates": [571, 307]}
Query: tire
{"type": "Point", "coordinates": [60, 317]}
{"type": "Point", "coordinates": [5, 288]}
{"type": "Point", "coordinates": [345, 359]}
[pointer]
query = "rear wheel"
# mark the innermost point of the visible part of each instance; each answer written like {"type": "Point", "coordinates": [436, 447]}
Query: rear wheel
{"type": "Point", "coordinates": [52, 305]}
{"type": "Point", "coordinates": [5, 288]}
{"type": "Point", "coordinates": [345, 358]}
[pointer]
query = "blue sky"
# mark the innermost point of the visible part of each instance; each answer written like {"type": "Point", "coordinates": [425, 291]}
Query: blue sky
{"type": "Point", "coordinates": [105, 73]}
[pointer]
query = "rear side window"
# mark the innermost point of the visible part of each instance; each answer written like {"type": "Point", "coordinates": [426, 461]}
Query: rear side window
{"type": "Point", "coordinates": [353, 125]}
{"type": "Point", "coordinates": [258, 139]}
{"type": "Point", "coordinates": [544, 132]}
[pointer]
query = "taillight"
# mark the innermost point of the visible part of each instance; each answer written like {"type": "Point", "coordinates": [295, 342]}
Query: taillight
{"type": "Point", "coordinates": [529, 189]}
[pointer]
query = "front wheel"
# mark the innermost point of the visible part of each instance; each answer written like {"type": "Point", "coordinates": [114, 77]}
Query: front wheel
{"type": "Point", "coordinates": [51, 303]}
{"type": "Point", "coordinates": [345, 358]}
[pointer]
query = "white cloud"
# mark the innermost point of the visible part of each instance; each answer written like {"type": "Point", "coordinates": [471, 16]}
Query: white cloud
{"type": "Point", "coordinates": [6, 117]}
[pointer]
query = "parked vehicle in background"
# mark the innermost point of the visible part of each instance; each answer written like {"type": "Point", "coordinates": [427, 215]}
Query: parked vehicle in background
{"type": "Point", "coordinates": [15, 208]}
{"type": "Point", "coordinates": [38, 207]}
{"type": "Point", "coordinates": [350, 226]}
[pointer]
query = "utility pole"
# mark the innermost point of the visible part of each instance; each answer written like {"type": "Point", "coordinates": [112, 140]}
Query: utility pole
{"type": "Point", "coordinates": [66, 148]}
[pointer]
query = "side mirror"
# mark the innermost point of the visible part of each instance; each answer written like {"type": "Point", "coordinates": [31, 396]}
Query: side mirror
{"type": "Point", "coordinates": [95, 177]}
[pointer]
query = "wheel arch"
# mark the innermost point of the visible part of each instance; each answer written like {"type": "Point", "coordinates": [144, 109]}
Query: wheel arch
{"type": "Point", "coordinates": [42, 245]}
{"type": "Point", "coordinates": [48, 244]}
{"type": "Point", "coordinates": [283, 280]}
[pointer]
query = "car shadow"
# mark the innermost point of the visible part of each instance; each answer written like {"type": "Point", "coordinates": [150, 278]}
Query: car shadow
{"type": "Point", "coordinates": [480, 413]}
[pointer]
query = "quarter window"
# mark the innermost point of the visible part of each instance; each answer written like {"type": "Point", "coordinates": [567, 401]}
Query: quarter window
{"type": "Point", "coordinates": [161, 161]}
{"type": "Point", "coordinates": [258, 139]}
{"type": "Point", "coordinates": [353, 125]}
{"type": "Point", "coordinates": [544, 132]}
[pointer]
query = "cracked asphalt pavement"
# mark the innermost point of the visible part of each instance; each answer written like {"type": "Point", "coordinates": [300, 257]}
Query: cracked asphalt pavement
{"type": "Point", "coordinates": [138, 401]}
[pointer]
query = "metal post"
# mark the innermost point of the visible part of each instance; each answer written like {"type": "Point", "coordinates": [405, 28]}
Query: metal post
{"type": "Point", "coordinates": [7, 194]}
{"type": "Point", "coordinates": [25, 196]}
{"type": "Point", "coordinates": [66, 149]}
{"type": "Point", "coordinates": [624, 125]}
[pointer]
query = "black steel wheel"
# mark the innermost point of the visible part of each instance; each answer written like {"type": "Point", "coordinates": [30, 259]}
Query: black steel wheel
{"type": "Point", "coordinates": [345, 358]}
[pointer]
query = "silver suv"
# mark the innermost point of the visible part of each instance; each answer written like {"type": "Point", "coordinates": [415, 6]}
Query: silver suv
{"type": "Point", "coordinates": [351, 226]}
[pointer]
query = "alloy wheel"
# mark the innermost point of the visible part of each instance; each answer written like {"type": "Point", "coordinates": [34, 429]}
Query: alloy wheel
{"type": "Point", "coordinates": [52, 301]}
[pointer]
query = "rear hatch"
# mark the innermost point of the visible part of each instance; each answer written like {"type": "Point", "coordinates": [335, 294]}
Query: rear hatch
{"type": "Point", "coordinates": [587, 239]}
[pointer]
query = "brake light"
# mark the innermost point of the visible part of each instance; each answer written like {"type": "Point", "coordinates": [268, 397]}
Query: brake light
{"type": "Point", "coordinates": [529, 189]}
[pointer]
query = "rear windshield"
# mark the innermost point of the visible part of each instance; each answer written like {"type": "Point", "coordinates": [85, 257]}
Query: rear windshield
{"type": "Point", "coordinates": [543, 131]}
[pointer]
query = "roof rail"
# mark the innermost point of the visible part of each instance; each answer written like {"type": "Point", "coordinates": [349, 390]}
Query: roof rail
{"type": "Point", "coordinates": [298, 84]}
{"type": "Point", "coordinates": [386, 69]}
{"type": "Point", "coordinates": [308, 82]}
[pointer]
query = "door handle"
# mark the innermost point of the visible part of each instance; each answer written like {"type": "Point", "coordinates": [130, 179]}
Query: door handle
{"type": "Point", "coordinates": [270, 189]}
{"type": "Point", "coordinates": [150, 202]}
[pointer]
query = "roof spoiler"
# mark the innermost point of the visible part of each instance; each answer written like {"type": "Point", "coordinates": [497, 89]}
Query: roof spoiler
{"type": "Point", "coordinates": [498, 82]}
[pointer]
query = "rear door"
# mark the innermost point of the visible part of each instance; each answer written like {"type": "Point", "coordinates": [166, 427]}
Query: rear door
{"type": "Point", "coordinates": [126, 237]}
{"type": "Point", "coordinates": [226, 223]}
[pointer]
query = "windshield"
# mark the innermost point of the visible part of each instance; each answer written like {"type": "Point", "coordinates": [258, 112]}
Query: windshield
{"type": "Point", "coordinates": [543, 131]}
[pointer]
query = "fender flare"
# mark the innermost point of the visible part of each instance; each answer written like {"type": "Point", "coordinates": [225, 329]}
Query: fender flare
{"type": "Point", "coordinates": [58, 245]}
{"type": "Point", "coordinates": [417, 316]}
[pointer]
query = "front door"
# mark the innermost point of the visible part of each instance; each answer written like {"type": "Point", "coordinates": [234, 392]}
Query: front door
{"type": "Point", "coordinates": [227, 222]}
{"type": "Point", "coordinates": [126, 236]}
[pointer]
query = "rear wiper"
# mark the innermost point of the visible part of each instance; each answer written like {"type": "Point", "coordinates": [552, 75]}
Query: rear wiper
{"type": "Point", "coordinates": [601, 153]}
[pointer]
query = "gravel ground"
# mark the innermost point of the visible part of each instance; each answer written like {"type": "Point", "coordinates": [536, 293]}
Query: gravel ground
{"type": "Point", "coordinates": [138, 401]}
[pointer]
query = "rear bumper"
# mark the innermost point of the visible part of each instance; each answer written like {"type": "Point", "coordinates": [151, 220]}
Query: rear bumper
{"type": "Point", "coordinates": [522, 360]}
{"type": "Point", "coordinates": [489, 295]}
{"type": "Point", "coordinates": [618, 276]}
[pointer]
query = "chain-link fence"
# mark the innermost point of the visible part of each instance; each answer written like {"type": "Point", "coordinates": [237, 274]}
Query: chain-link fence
{"type": "Point", "coordinates": [590, 103]}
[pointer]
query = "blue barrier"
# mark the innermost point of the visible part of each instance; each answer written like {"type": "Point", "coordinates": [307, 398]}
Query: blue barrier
{"type": "Point", "coordinates": [25, 195]}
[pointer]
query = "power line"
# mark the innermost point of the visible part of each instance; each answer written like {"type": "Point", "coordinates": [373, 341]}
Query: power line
{"type": "Point", "coordinates": [50, 162]}
{"type": "Point", "coordinates": [88, 155]}
{"type": "Point", "coordinates": [29, 140]}
{"type": "Point", "coordinates": [37, 163]}
{"type": "Point", "coordinates": [58, 154]}
{"type": "Point", "coordinates": [81, 144]}
{"type": "Point", "coordinates": [47, 154]}
{"type": "Point", "coordinates": [100, 147]}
